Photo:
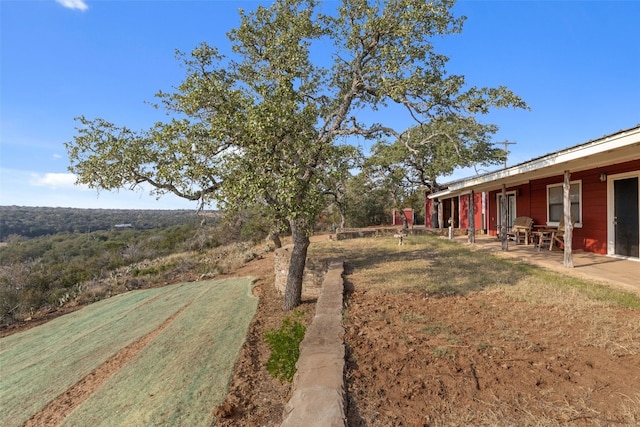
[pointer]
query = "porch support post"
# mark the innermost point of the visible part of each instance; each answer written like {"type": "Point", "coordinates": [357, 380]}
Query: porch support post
{"type": "Point", "coordinates": [568, 224]}
{"type": "Point", "coordinates": [453, 212]}
{"type": "Point", "coordinates": [503, 219]}
{"type": "Point", "coordinates": [452, 224]}
{"type": "Point", "coordinates": [440, 214]}
{"type": "Point", "coordinates": [472, 221]}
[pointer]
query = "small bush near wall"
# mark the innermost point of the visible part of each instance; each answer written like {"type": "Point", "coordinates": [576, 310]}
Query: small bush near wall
{"type": "Point", "coordinates": [284, 344]}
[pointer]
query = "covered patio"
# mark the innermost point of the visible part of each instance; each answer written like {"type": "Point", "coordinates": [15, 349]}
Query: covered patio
{"type": "Point", "coordinates": [590, 192]}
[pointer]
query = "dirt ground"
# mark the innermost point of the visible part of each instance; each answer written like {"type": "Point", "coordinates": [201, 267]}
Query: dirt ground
{"type": "Point", "coordinates": [485, 358]}
{"type": "Point", "coordinates": [254, 397]}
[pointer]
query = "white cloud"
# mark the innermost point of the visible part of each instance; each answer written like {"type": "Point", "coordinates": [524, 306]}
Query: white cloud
{"type": "Point", "coordinates": [31, 188]}
{"type": "Point", "coordinates": [54, 180]}
{"type": "Point", "coordinates": [73, 4]}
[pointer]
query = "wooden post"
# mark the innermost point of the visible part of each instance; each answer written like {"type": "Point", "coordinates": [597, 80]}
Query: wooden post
{"type": "Point", "coordinates": [472, 220]}
{"type": "Point", "coordinates": [503, 219]}
{"type": "Point", "coordinates": [452, 220]}
{"type": "Point", "coordinates": [568, 223]}
{"type": "Point", "coordinates": [440, 214]}
{"type": "Point", "coordinates": [453, 212]}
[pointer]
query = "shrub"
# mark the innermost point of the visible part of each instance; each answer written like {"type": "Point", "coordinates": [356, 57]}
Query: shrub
{"type": "Point", "coordinates": [285, 347]}
{"type": "Point", "coordinates": [10, 304]}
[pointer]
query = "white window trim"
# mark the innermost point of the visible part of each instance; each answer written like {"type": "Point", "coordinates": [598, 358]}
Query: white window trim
{"type": "Point", "coordinates": [611, 250]}
{"type": "Point", "coordinates": [556, 223]}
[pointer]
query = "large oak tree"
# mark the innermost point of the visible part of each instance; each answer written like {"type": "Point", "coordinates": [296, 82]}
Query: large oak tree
{"type": "Point", "coordinates": [263, 124]}
{"type": "Point", "coordinates": [429, 151]}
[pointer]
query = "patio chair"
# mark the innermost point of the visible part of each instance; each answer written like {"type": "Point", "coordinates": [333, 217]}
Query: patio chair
{"type": "Point", "coordinates": [521, 230]}
{"type": "Point", "coordinates": [558, 236]}
{"type": "Point", "coordinates": [544, 238]}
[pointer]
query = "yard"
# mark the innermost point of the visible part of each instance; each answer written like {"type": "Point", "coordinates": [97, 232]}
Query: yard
{"type": "Point", "coordinates": [436, 334]}
{"type": "Point", "coordinates": [439, 335]}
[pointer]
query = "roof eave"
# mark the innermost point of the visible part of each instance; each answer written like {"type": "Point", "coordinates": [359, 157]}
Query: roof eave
{"type": "Point", "coordinates": [585, 156]}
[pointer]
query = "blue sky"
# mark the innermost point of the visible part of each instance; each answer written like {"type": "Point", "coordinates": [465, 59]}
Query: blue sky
{"type": "Point", "coordinates": [576, 63]}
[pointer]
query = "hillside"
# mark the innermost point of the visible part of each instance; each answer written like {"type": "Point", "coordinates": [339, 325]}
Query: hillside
{"type": "Point", "coordinates": [27, 221]}
{"type": "Point", "coordinates": [438, 334]}
{"type": "Point", "coordinates": [50, 271]}
{"type": "Point", "coordinates": [254, 397]}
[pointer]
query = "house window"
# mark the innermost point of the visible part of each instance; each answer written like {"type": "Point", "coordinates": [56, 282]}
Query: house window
{"type": "Point", "coordinates": [555, 207]}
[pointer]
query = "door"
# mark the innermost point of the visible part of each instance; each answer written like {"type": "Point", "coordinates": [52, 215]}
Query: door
{"type": "Point", "coordinates": [626, 221]}
{"type": "Point", "coordinates": [511, 211]}
{"type": "Point", "coordinates": [450, 209]}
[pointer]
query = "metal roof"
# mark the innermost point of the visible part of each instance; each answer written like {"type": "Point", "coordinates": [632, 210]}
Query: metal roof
{"type": "Point", "coordinates": [618, 147]}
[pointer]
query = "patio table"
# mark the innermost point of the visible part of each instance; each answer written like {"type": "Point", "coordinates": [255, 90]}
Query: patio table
{"type": "Point", "coordinates": [542, 236]}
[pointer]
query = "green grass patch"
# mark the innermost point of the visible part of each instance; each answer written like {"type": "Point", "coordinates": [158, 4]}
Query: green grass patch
{"type": "Point", "coordinates": [183, 372]}
{"type": "Point", "coordinates": [592, 290]}
{"type": "Point", "coordinates": [443, 352]}
{"type": "Point", "coordinates": [284, 344]}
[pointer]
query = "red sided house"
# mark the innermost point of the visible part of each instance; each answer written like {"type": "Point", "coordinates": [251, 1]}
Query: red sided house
{"type": "Point", "coordinates": [406, 215]}
{"type": "Point", "coordinates": [604, 195]}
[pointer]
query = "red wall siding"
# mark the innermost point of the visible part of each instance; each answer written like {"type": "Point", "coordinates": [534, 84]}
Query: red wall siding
{"type": "Point", "coordinates": [592, 237]}
{"type": "Point", "coordinates": [397, 216]}
{"type": "Point", "coordinates": [464, 211]}
{"type": "Point", "coordinates": [531, 200]}
{"type": "Point", "coordinates": [538, 190]}
{"type": "Point", "coordinates": [427, 212]}
{"type": "Point", "coordinates": [477, 209]}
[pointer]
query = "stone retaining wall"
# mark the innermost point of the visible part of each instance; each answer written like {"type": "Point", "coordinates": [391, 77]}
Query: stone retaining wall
{"type": "Point", "coordinates": [313, 273]}
{"type": "Point", "coordinates": [318, 393]}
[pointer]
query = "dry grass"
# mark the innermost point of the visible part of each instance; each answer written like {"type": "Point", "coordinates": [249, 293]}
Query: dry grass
{"type": "Point", "coordinates": [529, 410]}
{"type": "Point", "coordinates": [442, 267]}
{"type": "Point", "coordinates": [579, 317]}
{"type": "Point", "coordinates": [198, 265]}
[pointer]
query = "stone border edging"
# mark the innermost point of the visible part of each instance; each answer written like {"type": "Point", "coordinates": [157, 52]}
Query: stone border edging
{"type": "Point", "coordinates": [318, 393]}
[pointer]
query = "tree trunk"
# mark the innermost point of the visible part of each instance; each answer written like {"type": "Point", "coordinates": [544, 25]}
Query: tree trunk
{"type": "Point", "coordinates": [568, 222]}
{"type": "Point", "coordinates": [343, 215]}
{"type": "Point", "coordinates": [293, 290]}
{"type": "Point", "coordinates": [274, 236]}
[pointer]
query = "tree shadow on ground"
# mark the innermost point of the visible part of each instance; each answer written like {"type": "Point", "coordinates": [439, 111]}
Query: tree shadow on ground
{"type": "Point", "coordinates": [435, 266]}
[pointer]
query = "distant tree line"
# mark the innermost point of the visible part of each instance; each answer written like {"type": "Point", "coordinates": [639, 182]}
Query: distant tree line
{"type": "Point", "coordinates": [49, 253]}
{"type": "Point", "coordinates": [28, 221]}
